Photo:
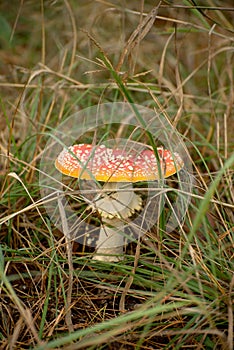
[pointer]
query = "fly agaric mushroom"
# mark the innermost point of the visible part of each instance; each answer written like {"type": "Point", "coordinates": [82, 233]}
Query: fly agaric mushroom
{"type": "Point", "coordinates": [119, 170]}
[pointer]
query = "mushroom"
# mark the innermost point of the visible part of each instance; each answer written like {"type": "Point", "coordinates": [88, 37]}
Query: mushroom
{"type": "Point", "coordinates": [117, 201]}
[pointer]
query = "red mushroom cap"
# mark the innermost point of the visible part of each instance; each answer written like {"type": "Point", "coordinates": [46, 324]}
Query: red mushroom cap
{"type": "Point", "coordinates": [87, 162]}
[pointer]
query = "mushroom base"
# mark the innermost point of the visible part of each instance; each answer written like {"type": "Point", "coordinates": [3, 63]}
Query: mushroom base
{"type": "Point", "coordinates": [109, 254]}
{"type": "Point", "coordinates": [110, 241]}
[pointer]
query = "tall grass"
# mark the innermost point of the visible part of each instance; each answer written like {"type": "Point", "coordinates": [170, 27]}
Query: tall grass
{"type": "Point", "coordinates": [172, 291]}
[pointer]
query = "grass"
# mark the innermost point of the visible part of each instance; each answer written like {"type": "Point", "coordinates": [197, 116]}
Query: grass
{"type": "Point", "coordinates": [172, 290]}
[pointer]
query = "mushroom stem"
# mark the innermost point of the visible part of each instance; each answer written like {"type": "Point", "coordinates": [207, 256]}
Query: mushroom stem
{"type": "Point", "coordinates": [109, 254]}
{"type": "Point", "coordinates": [110, 241]}
{"type": "Point", "coordinates": [115, 204]}
{"type": "Point", "coordinates": [118, 200]}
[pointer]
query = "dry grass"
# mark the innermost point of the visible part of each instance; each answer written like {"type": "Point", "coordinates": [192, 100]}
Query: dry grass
{"type": "Point", "coordinates": [171, 291]}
